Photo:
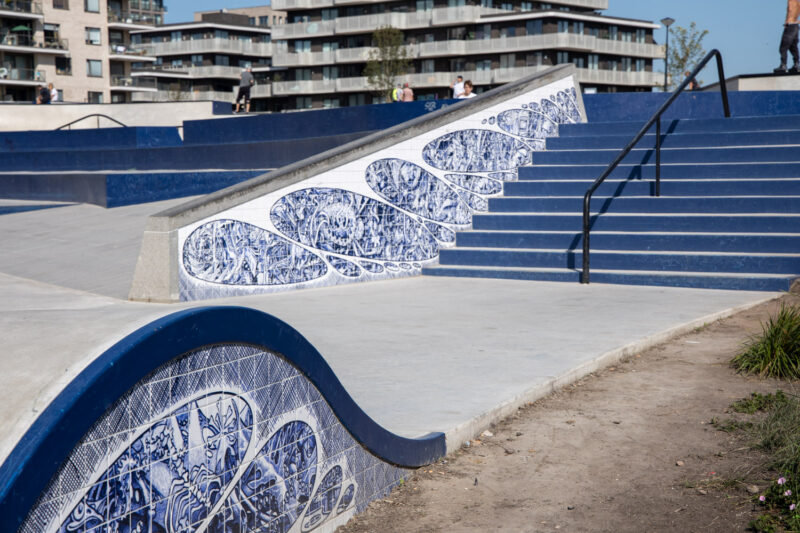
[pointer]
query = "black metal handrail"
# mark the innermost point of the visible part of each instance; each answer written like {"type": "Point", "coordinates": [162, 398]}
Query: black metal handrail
{"type": "Point", "coordinates": [656, 118]}
{"type": "Point", "coordinates": [98, 115]}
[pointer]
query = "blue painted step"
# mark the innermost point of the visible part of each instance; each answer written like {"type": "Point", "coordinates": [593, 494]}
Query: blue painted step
{"type": "Point", "coordinates": [648, 204]}
{"type": "Point", "coordinates": [701, 280]}
{"type": "Point", "coordinates": [727, 223]}
{"type": "Point", "coordinates": [695, 242]}
{"type": "Point", "coordinates": [688, 140]}
{"type": "Point", "coordinates": [669, 156]}
{"type": "Point", "coordinates": [676, 171]}
{"type": "Point", "coordinates": [624, 260]}
{"type": "Point", "coordinates": [669, 187]}
{"type": "Point", "coordinates": [719, 125]}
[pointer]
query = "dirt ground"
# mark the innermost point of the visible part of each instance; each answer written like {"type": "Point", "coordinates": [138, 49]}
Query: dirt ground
{"type": "Point", "coordinates": [631, 448]}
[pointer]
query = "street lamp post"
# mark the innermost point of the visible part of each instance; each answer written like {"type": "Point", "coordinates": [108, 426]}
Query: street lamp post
{"type": "Point", "coordinates": [666, 22]}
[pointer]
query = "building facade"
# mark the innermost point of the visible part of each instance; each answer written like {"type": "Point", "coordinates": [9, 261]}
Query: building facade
{"type": "Point", "coordinates": [82, 47]}
{"type": "Point", "coordinates": [325, 44]}
{"type": "Point", "coordinates": [203, 60]}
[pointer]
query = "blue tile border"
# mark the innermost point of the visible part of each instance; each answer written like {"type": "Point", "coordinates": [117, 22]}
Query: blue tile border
{"type": "Point", "coordinates": [53, 436]}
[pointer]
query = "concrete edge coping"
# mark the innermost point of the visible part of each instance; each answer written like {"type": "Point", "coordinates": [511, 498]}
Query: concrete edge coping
{"type": "Point", "coordinates": [200, 208]}
{"type": "Point", "coordinates": [469, 430]}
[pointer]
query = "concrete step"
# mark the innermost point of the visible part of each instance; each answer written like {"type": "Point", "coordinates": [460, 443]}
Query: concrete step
{"type": "Point", "coordinates": [648, 204]}
{"type": "Point", "coordinates": [672, 171]}
{"type": "Point", "coordinates": [655, 241]}
{"type": "Point", "coordinates": [677, 140]}
{"type": "Point", "coordinates": [641, 222]}
{"type": "Point", "coordinates": [625, 260]}
{"type": "Point", "coordinates": [669, 188]}
{"type": "Point", "coordinates": [748, 282]}
{"type": "Point", "coordinates": [671, 155]}
{"type": "Point", "coordinates": [720, 125]}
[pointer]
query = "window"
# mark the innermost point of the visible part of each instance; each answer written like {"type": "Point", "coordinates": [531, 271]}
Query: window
{"type": "Point", "coordinates": [545, 5]}
{"type": "Point", "coordinates": [456, 3]}
{"type": "Point", "coordinates": [562, 57]}
{"type": "Point", "coordinates": [526, 6]}
{"type": "Point", "coordinates": [177, 63]}
{"type": "Point", "coordinates": [507, 60]}
{"type": "Point", "coordinates": [458, 65]}
{"type": "Point", "coordinates": [330, 73]}
{"type": "Point", "coordinates": [92, 35]}
{"type": "Point", "coordinates": [252, 21]}
{"type": "Point", "coordinates": [594, 61]}
{"type": "Point", "coordinates": [577, 27]}
{"type": "Point", "coordinates": [356, 99]}
{"type": "Point", "coordinates": [303, 102]}
{"type": "Point", "coordinates": [612, 32]}
{"type": "Point", "coordinates": [424, 5]}
{"type": "Point", "coordinates": [594, 32]}
{"type": "Point", "coordinates": [625, 62]}
{"type": "Point", "coordinates": [64, 66]}
{"type": "Point", "coordinates": [197, 60]}
{"type": "Point", "coordinates": [302, 46]}
{"type": "Point", "coordinates": [330, 14]}
{"type": "Point", "coordinates": [302, 74]}
{"type": "Point", "coordinates": [509, 31]}
{"type": "Point", "coordinates": [563, 26]}
{"type": "Point", "coordinates": [507, 6]}
{"type": "Point", "coordinates": [534, 59]}
{"type": "Point", "coordinates": [626, 37]}
{"type": "Point", "coordinates": [427, 66]}
{"type": "Point", "coordinates": [93, 6]}
{"type": "Point", "coordinates": [94, 68]}
{"type": "Point", "coordinates": [94, 97]}
{"type": "Point", "coordinates": [578, 62]}
{"type": "Point", "coordinates": [175, 36]}
{"type": "Point", "coordinates": [484, 32]}
{"type": "Point", "coordinates": [640, 65]}
{"type": "Point", "coordinates": [483, 64]}
{"type": "Point", "coordinates": [487, 3]}
{"type": "Point", "coordinates": [533, 27]}
{"type": "Point", "coordinates": [330, 47]}
{"type": "Point", "coordinates": [221, 34]}
{"type": "Point", "coordinates": [641, 35]}
{"type": "Point", "coordinates": [61, 4]}
{"type": "Point", "coordinates": [329, 103]}
{"type": "Point", "coordinates": [263, 21]}
{"type": "Point", "coordinates": [223, 61]}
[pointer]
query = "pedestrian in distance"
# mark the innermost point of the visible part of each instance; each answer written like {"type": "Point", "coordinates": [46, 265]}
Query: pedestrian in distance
{"type": "Point", "coordinates": [44, 95]}
{"type": "Point", "coordinates": [693, 85]}
{"type": "Point", "coordinates": [397, 93]}
{"type": "Point", "coordinates": [53, 93]}
{"type": "Point", "coordinates": [408, 94]}
{"type": "Point", "coordinates": [458, 86]}
{"type": "Point", "coordinates": [467, 91]}
{"type": "Point", "coordinates": [246, 81]}
{"type": "Point", "coordinates": [789, 38]}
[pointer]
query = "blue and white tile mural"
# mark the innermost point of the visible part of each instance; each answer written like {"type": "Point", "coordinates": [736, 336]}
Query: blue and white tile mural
{"type": "Point", "coordinates": [383, 216]}
{"type": "Point", "coordinates": [224, 439]}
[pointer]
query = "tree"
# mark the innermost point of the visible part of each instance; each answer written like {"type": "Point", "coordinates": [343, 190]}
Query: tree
{"type": "Point", "coordinates": [387, 61]}
{"type": "Point", "coordinates": [685, 52]}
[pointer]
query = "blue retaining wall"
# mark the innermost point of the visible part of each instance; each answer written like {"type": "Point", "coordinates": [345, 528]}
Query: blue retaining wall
{"type": "Point", "coordinates": [96, 139]}
{"type": "Point", "coordinates": [301, 125]}
{"type": "Point", "coordinates": [622, 107]}
{"type": "Point", "coordinates": [229, 378]}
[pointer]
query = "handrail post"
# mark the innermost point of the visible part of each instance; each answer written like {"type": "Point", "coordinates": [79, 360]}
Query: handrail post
{"type": "Point", "coordinates": [658, 156]}
{"type": "Point", "coordinates": [585, 269]}
{"type": "Point", "coordinates": [723, 87]}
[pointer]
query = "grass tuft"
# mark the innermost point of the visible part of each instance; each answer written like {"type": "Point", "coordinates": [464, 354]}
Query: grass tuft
{"type": "Point", "coordinates": [758, 402]}
{"type": "Point", "coordinates": [776, 352]}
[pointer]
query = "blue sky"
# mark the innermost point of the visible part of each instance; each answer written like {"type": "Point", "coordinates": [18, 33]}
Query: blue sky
{"type": "Point", "coordinates": [746, 31]}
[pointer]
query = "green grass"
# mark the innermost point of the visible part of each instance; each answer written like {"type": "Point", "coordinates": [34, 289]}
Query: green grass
{"type": "Point", "coordinates": [776, 352]}
{"type": "Point", "coordinates": [758, 402]}
{"type": "Point", "coordinates": [779, 435]}
{"type": "Point", "coordinates": [730, 425]}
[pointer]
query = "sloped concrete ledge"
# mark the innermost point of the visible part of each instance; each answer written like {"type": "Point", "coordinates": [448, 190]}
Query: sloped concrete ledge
{"type": "Point", "coordinates": [156, 275]}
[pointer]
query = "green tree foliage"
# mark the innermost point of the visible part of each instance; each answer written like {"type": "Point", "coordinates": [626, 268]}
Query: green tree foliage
{"type": "Point", "coordinates": [387, 61]}
{"type": "Point", "coordinates": [685, 52]}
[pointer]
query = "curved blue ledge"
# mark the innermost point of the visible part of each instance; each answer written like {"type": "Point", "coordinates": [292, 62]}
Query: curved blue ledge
{"type": "Point", "coordinates": [45, 446]}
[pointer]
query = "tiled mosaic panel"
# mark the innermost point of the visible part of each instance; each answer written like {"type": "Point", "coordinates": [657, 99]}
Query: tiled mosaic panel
{"type": "Point", "coordinates": [396, 207]}
{"type": "Point", "coordinates": [227, 438]}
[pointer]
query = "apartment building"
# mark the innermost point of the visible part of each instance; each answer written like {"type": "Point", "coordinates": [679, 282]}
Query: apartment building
{"type": "Point", "coordinates": [325, 44]}
{"type": "Point", "coordinates": [203, 59]}
{"type": "Point", "coordinates": [82, 47]}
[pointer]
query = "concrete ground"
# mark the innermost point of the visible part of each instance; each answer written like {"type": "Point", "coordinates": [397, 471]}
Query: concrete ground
{"type": "Point", "coordinates": [418, 355]}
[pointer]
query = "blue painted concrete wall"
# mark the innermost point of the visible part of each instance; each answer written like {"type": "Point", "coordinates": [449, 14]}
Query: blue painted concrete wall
{"type": "Point", "coordinates": [94, 139]}
{"type": "Point", "coordinates": [621, 107]}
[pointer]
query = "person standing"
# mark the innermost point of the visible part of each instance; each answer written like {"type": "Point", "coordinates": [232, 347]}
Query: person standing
{"type": "Point", "coordinates": [789, 37]}
{"type": "Point", "coordinates": [53, 93]}
{"type": "Point", "coordinates": [44, 95]}
{"type": "Point", "coordinates": [467, 91]}
{"type": "Point", "coordinates": [397, 93]}
{"type": "Point", "coordinates": [408, 94]}
{"type": "Point", "coordinates": [246, 81]}
{"type": "Point", "coordinates": [458, 87]}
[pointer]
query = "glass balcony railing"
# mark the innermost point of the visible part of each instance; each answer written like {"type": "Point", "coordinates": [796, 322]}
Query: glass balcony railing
{"type": "Point", "coordinates": [8, 73]}
{"type": "Point", "coordinates": [120, 49]}
{"type": "Point", "coordinates": [120, 17]}
{"type": "Point", "coordinates": [129, 82]}
{"type": "Point", "coordinates": [21, 6]}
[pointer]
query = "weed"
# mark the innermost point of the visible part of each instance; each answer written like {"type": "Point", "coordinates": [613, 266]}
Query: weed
{"type": "Point", "coordinates": [764, 524]}
{"type": "Point", "coordinates": [758, 402]}
{"type": "Point", "coordinates": [730, 425]}
{"type": "Point", "coordinates": [776, 352]}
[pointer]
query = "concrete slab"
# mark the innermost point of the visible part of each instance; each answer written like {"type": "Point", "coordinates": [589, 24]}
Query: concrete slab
{"type": "Point", "coordinates": [418, 355]}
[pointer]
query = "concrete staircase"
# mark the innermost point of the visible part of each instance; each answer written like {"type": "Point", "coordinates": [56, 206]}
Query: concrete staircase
{"type": "Point", "coordinates": [728, 216]}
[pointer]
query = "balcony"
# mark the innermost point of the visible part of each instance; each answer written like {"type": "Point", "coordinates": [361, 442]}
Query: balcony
{"type": "Point", "coordinates": [304, 29]}
{"type": "Point", "coordinates": [654, 51]}
{"type": "Point", "coordinates": [122, 52]}
{"type": "Point", "coordinates": [621, 77]}
{"type": "Point", "coordinates": [302, 59]}
{"type": "Point", "coordinates": [133, 84]}
{"type": "Point", "coordinates": [126, 21]}
{"type": "Point", "coordinates": [590, 4]}
{"type": "Point", "coordinates": [21, 76]}
{"type": "Point", "coordinates": [25, 42]}
{"type": "Point", "coordinates": [21, 9]}
{"type": "Point", "coordinates": [303, 87]}
{"type": "Point", "coordinates": [192, 72]}
{"type": "Point", "coordinates": [261, 91]}
{"type": "Point", "coordinates": [213, 45]}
